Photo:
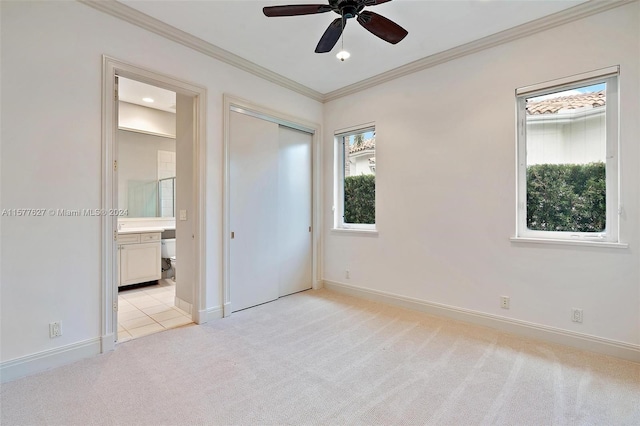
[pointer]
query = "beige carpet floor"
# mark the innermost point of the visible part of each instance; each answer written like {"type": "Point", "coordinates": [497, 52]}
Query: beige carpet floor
{"type": "Point", "coordinates": [323, 358]}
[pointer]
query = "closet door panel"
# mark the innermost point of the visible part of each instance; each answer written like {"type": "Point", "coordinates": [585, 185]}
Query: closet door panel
{"type": "Point", "coordinates": [254, 263]}
{"type": "Point", "coordinates": [294, 211]}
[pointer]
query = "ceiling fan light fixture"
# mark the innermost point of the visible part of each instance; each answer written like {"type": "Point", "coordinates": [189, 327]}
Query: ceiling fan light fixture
{"type": "Point", "coordinates": [377, 25]}
{"type": "Point", "coordinates": [343, 54]}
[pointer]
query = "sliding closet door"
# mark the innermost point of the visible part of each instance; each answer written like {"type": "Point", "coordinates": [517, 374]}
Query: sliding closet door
{"type": "Point", "coordinates": [294, 211]}
{"type": "Point", "coordinates": [254, 263]}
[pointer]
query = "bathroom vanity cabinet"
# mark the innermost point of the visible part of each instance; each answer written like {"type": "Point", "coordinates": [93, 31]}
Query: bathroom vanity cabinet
{"type": "Point", "coordinates": [139, 258]}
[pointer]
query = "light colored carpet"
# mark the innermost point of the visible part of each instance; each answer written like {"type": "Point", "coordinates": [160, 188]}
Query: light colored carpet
{"type": "Point", "coordinates": [319, 357]}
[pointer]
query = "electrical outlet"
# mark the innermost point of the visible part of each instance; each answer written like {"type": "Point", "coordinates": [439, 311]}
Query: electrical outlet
{"type": "Point", "coordinates": [347, 274]}
{"type": "Point", "coordinates": [576, 315]}
{"type": "Point", "coordinates": [504, 302]}
{"type": "Point", "coordinates": [55, 329]}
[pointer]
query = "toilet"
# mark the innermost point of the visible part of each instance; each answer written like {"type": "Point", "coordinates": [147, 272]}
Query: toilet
{"type": "Point", "coordinates": [168, 251]}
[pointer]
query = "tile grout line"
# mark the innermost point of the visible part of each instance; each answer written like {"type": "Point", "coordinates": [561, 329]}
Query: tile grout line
{"type": "Point", "coordinates": [150, 295]}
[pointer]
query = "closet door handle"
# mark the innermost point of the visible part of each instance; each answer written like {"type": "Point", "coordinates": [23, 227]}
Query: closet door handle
{"type": "Point", "coordinates": [233, 235]}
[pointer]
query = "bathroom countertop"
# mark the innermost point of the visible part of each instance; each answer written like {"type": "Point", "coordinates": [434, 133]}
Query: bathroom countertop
{"type": "Point", "coordinates": [141, 230]}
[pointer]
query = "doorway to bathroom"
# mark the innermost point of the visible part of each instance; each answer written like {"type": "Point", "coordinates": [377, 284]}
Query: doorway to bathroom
{"type": "Point", "coordinates": [153, 178]}
{"type": "Point", "coordinates": [147, 193]}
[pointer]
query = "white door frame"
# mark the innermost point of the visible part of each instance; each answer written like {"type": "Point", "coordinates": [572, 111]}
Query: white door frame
{"type": "Point", "coordinates": [232, 103]}
{"type": "Point", "coordinates": [110, 69]}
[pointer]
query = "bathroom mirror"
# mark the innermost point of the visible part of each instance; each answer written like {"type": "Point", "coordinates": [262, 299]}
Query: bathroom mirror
{"type": "Point", "coordinates": [146, 174]}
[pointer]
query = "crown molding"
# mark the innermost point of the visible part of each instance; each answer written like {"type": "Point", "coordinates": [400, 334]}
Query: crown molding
{"type": "Point", "coordinates": [575, 13]}
{"type": "Point", "coordinates": [135, 17]}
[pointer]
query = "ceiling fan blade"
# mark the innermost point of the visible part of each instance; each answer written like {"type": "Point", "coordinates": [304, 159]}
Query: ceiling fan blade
{"type": "Point", "coordinates": [295, 9]}
{"type": "Point", "coordinates": [330, 36]}
{"type": "Point", "coordinates": [374, 2]}
{"type": "Point", "coordinates": [382, 27]}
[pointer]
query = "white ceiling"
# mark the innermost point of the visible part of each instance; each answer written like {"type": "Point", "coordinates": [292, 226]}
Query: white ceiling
{"type": "Point", "coordinates": [286, 45]}
{"type": "Point", "coordinates": [134, 92]}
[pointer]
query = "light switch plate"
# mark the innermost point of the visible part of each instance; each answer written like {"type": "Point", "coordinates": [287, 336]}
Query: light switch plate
{"type": "Point", "coordinates": [183, 215]}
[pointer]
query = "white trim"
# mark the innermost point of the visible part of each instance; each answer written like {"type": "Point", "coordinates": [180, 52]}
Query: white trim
{"type": "Point", "coordinates": [569, 81]}
{"type": "Point", "coordinates": [526, 329]}
{"type": "Point", "coordinates": [368, 232]}
{"type": "Point", "coordinates": [232, 103]}
{"type": "Point", "coordinates": [108, 251]}
{"type": "Point", "coordinates": [566, 16]}
{"type": "Point", "coordinates": [135, 17]}
{"type": "Point", "coordinates": [340, 161]}
{"type": "Point", "coordinates": [211, 314]}
{"type": "Point", "coordinates": [354, 129]}
{"type": "Point", "coordinates": [272, 119]}
{"type": "Point", "coordinates": [51, 358]}
{"type": "Point", "coordinates": [612, 232]}
{"type": "Point", "coordinates": [111, 68]}
{"type": "Point", "coordinates": [107, 343]}
{"type": "Point", "coordinates": [584, 243]}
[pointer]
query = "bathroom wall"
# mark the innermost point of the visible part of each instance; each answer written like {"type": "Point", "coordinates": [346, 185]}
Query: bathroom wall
{"type": "Point", "coordinates": [144, 119]}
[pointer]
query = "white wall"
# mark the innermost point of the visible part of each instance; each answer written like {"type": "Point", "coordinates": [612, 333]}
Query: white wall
{"type": "Point", "coordinates": [446, 212]}
{"type": "Point", "coordinates": [51, 157]}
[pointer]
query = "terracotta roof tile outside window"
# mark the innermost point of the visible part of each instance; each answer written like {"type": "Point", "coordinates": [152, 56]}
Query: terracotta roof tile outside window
{"type": "Point", "coordinates": [367, 144]}
{"type": "Point", "coordinates": [564, 103]}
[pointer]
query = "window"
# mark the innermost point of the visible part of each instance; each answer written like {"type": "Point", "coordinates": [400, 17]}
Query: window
{"type": "Point", "coordinates": [567, 159]}
{"type": "Point", "coordinates": [356, 178]}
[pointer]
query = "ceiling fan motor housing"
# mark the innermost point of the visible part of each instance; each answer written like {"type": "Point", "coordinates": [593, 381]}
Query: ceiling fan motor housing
{"type": "Point", "coordinates": [347, 8]}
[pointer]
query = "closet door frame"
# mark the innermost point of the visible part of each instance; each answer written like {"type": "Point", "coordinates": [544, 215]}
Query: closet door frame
{"type": "Point", "coordinates": [232, 103]}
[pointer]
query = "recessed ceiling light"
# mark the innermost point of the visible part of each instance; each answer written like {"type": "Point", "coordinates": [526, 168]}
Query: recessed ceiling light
{"type": "Point", "coordinates": [147, 100]}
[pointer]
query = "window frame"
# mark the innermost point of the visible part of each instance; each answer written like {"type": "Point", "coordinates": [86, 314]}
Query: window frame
{"type": "Point", "coordinates": [610, 76]}
{"type": "Point", "coordinates": [340, 160]}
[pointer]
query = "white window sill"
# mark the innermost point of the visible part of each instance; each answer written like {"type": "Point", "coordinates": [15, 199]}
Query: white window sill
{"type": "Point", "coordinates": [584, 243]}
{"type": "Point", "coordinates": [370, 232]}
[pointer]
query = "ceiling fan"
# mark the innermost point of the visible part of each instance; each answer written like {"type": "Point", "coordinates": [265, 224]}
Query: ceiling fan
{"type": "Point", "coordinates": [376, 24]}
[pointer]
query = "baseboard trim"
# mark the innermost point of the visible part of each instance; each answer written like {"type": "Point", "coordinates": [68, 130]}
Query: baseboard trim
{"type": "Point", "coordinates": [45, 360]}
{"type": "Point", "coordinates": [582, 341]}
{"type": "Point", "coordinates": [211, 314]}
{"type": "Point", "coordinates": [226, 309]}
{"type": "Point", "coordinates": [107, 343]}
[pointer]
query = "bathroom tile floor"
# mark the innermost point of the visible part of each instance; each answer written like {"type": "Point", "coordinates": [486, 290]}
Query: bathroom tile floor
{"type": "Point", "coordinates": [147, 310]}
